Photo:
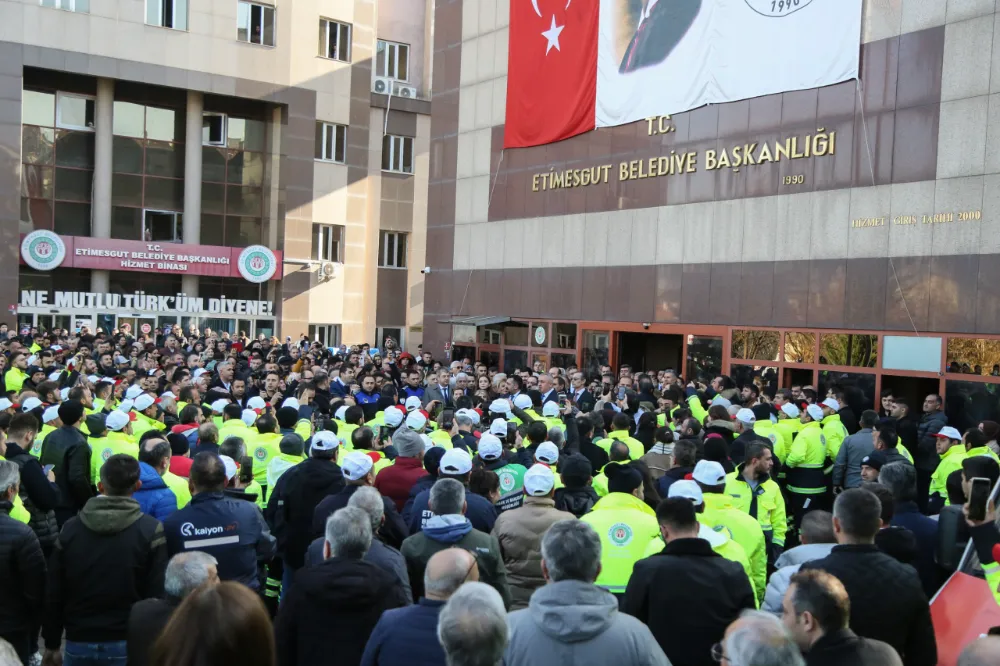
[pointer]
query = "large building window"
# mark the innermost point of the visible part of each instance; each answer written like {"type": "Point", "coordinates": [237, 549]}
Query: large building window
{"type": "Point", "coordinates": [167, 13]}
{"type": "Point", "coordinates": [147, 185]}
{"type": "Point", "coordinates": [335, 40]}
{"type": "Point", "coordinates": [397, 153]}
{"type": "Point", "coordinates": [331, 142]}
{"type": "Point", "coordinates": [255, 23]}
{"type": "Point", "coordinates": [392, 60]}
{"type": "Point", "coordinates": [392, 250]}
{"type": "Point", "coordinates": [82, 6]}
{"type": "Point", "coordinates": [328, 242]}
{"type": "Point", "coordinates": [232, 174]}
{"type": "Point", "coordinates": [57, 156]}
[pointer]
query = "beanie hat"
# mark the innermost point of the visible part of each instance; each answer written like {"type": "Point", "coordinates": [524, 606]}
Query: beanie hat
{"type": "Point", "coordinates": [71, 412]}
{"type": "Point", "coordinates": [622, 478]}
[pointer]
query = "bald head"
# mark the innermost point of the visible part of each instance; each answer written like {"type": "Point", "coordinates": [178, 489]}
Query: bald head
{"type": "Point", "coordinates": [446, 571]}
{"type": "Point", "coordinates": [981, 652]}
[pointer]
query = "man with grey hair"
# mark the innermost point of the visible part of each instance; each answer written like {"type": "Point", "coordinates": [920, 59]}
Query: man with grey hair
{"type": "Point", "coordinates": [472, 627]}
{"type": "Point", "coordinates": [338, 602]}
{"type": "Point", "coordinates": [571, 620]}
{"type": "Point", "coordinates": [757, 639]}
{"type": "Point", "coordinates": [901, 480]}
{"type": "Point", "coordinates": [22, 570]}
{"type": "Point", "coordinates": [983, 651]}
{"type": "Point", "coordinates": [185, 572]}
{"type": "Point", "coordinates": [447, 528]}
{"type": "Point", "coordinates": [409, 635]}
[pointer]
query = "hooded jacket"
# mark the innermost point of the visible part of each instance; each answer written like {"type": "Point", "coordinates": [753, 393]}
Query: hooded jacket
{"type": "Point", "coordinates": [330, 611]}
{"type": "Point", "coordinates": [787, 565]}
{"type": "Point", "coordinates": [293, 500]}
{"type": "Point", "coordinates": [154, 497]}
{"type": "Point", "coordinates": [577, 501]}
{"type": "Point", "coordinates": [395, 482]}
{"type": "Point", "coordinates": [926, 456]}
{"type": "Point", "coordinates": [106, 559]}
{"type": "Point", "coordinates": [570, 622]}
{"type": "Point", "coordinates": [22, 570]}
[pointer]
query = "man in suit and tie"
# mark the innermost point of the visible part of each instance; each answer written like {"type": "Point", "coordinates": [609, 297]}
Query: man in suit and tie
{"type": "Point", "coordinates": [662, 25]}
{"type": "Point", "coordinates": [440, 390]}
{"type": "Point", "coordinates": [582, 398]}
{"type": "Point", "coordinates": [547, 388]}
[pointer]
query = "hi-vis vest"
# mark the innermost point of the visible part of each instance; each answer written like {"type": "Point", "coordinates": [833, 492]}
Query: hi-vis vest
{"type": "Point", "coordinates": [786, 429]}
{"type": "Point", "coordinates": [982, 451]}
{"type": "Point", "coordinates": [806, 461]}
{"type": "Point", "coordinates": [835, 433]}
{"type": "Point", "coordinates": [767, 430]}
{"type": "Point", "coordinates": [635, 448]}
{"type": "Point", "coordinates": [102, 448]}
{"type": "Point", "coordinates": [36, 446]}
{"type": "Point", "coordinates": [721, 513]}
{"type": "Point", "coordinates": [441, 438]}
{"type": "Point", "coordinates": [950, 462]}
{"type": "Point", "coordinates": [18, 512]}
{"type": "Point", "coordinates": [766, 504]}
{"type": "Point", "coordinates": [264, 448]}
{"type": "Point", "coordinates": [625, 525]}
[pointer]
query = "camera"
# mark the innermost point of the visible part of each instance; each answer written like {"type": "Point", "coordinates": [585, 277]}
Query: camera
{"type": "Point", "coordinates": [425, 270]}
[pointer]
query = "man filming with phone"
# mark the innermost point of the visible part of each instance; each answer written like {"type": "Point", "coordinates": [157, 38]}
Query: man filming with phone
{"type": "Point", "coordinates": [981, 515]}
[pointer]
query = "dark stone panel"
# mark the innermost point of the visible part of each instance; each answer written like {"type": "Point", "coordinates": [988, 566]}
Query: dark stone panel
{"type": "Point", "coordinates": [756, 294]}
{"type": "Point", "coordinates": [835, 171]}
{"type": "Point", "coordinates": [864, 306]}
{"type": "Point", "coordinates": [390, 299]}
{"type": "Point", "coordinates": [440, 247]}
{"type": "Point", "coordinates": [482, 293]}
{"type": "Point", "coordinates": [436, 301]}
{"type": "Point", "coordinates": [953, 285]}
{"type": "Point", "coordinates": [461, 282]}
{"type": "Point", "coordinates": [531, 288]}
{"type": "Point", "coordinates": [734, 119]}
{"type": "Point", "coordinates": [617, 293]}
{"type": "Point", "coordinates": [915, 146]}
{"type": "Point", "coordinates": [921, 58]}
{"type": "Point", "coordinates": [550, 290]}
{"type": "Point", "coordinates": [791, 293]}
{"type": "Point", "coordinates": [642, 293]}
{"type": "Point", "coordinates": [875, 154]}
{"type": "Point", "coordinates": [594, 285]}
{"type": "Point", "coordinates": [405, 104]}
{"type": "Point", "coordinates": [509, 285]}
{"type": "Point", "coordinates": [988, 296]}
{"type": "Point", "coordinates": [827, 286]}
{"type": "Point", "coordinates": [907, 294]}
{"type": "Point", "coordinates": [798, 109]}
{"type": "Point", "coordinates": [402, 123]}
{"type": "Point", "coordinates": [725, 292]}
{"type": "Point", "coordinates": [696, 290]}
{"type": "Point", "coordinates": [879, 70]}
{"type": "Point", "coordinates": [667, 297]}
{"type": "Point", "coordinates": [762, 179]}
{"type": "Point", "coordinates": [704, 124]}
{"type": "Point", "coordinates": [571, 294]}
{"type": "Point", "coordinates": [765, 114]}
{"type": "Point", "coordinates": [837, 101]}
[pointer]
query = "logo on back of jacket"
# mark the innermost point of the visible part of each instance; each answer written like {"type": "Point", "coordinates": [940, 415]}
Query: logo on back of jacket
{"type": "Point", "coordinates": [620, 534]}
{"type": "Point", "coordinates": [188, 529]}
{"type": "Point", "coordinates": [507, 482]}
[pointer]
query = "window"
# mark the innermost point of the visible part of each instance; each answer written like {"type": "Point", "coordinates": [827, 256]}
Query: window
{"type": "Point", "coordinates": [327, 335]}
{"type": "Point", "coordinates": [335, 40]}
{"type": "Point", "coordinates": [255, 23]}
{"type": "Point", "coordinates": [82, 6]}
{"type": "Point", "coordinates": [213, 129]}
{"type": "Point", "coordinates": [392, 250]}
{"type": "Point", "coordinates": [392, 60]}
{"type": "Point", "coordinates": [328, 239]}
{"type": "Point", "coordinates": [331, 142]}
{"type": "Point", "coordinates": [397, 153]}
{"type": "Point", "coordinates": [75, 112]}
{"type": "Point", "coordinates": [167, 13]}
{"type": "Point", "coordinates": [159, 225]}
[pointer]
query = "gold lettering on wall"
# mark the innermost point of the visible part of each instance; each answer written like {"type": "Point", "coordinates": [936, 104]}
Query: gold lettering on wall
{"type": "Point", "coordinates": [905, 220]}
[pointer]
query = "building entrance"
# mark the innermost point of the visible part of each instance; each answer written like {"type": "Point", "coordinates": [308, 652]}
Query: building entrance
{"type": "Point", "coordinates": [650, 351]}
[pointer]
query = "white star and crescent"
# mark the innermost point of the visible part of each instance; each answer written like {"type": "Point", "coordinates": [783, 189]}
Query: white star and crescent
{"type": "Point", "coordinates": [552, 35]}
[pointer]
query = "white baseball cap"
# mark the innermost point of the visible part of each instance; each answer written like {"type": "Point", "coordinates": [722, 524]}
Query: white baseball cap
{"type": "Point", "coordinates": [256, 402]}
{"type": "Point", "coordinates": [500, 406]}
{"type": "Point", "coordinates": [411, 403]}
{"type": "Point", "coordinates": [356, 465]}
{"type": "Point", "coordinates": [198, 372]}
{"type": "Point", "coordinates": [688, 490]}
{"type": "Point", "coordinates": [550, 409]}
{"type": "Point", "coordinates": [144, 402]}
{"type": "Point", "coordinates": [290, 402]}
{"type": "Point", "coordinates": [230, 466]}
{"type": "Point", "coordinates": [50, 414]}
{"type": "Point", "coordinates": [547, 452]}
{"type": "Point", "coordinates": [249, 417]}
{"type": "Point", "coordinates": [474, 415]}
{"type": "Point", "coordinates": [393, 416]}
{"type": "Point", "coordinates": [832, 404]}
{"type": "Point", "coordinates": [5, 404]}
{"type": "Point", "coordinates": [949, 432]}
{"type": "Point", "coordinates": [168, 394]}
{"type": "Point", "coordinates": [719, 400]}
{"type": "Point", "coordinates": [117, 420]}
{"type": "Point", "coordinates": [54, 377]}
{"type": "Point", "coordinates": [219, 405]}
{"type": "Point", "coordinates": [490, 447]}
{"type": "Point", "coordinates": [539, 480]}
{"type": "Point", "coordinates": [790, 410]}
{"type": "Point", "coordinates": [746, 416]}
{"type": "Point", "coordinates": [522, 401]}
{"type": "Point", "coordinates": [455, 462]}
{"type": "Point", "coordinates": [324, 440]}
{"type": "Point", "coordinates": [340, 413]}
{"type": "Point", "coordinates": [93, 379]}
{"type": "Point", "coordinates": [415, 421]}
{"type": "Point", "coordinates": [498, 428]}
{"type": "Point", "coordinates": [709, 472]}
{"type": "Point", "coordinates": [133, 392]}
{"type": "Point", "coordinates": [30, 404]}
{"type": "Point", "coordinates": [126, 405]}
{"type": "Point", "coordinates": [428, 443]}
{"type": "Point", "coordinates": [64, 393]}
{"type": "Point", "coordinates": [815, 412]}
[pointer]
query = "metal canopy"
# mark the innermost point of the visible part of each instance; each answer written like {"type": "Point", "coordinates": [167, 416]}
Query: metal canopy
{"type": "Point", "coordinates": [481, 320]}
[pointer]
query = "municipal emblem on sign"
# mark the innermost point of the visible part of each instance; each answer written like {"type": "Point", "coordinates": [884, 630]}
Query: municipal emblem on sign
{"type": "Point", "coordinates": [257, 263]}
{"type": "Point", "coordinates": [260, 453]}
{"type": "Point", "coordinates": [43, 250]}
{"type": "Point", "coordinates": [507, 482]}
{"type": "Point", "coordinates": [620, 534]}
{"type": "Point", "coordinates": [777, 8]}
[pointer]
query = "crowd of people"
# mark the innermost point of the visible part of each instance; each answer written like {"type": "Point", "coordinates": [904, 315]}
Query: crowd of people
{"type": "Point", "coordinates": [195, 498]}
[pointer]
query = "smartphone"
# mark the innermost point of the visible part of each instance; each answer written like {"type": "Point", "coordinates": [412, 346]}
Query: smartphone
{"type": "Point", "coordinates": [979, 495]}
{"type": "Point", "coordinates": [621, 392]}
{"type": "Point", "coordinates": [47, 469]}
{"type": "Point", "coordinates": [562, 400]}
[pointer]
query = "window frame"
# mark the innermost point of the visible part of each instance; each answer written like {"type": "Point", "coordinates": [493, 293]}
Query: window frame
{"type": "Point", "coordinates": [328, 243]}
{"type": "Point", "coordinates": [326, 24]}
{"type": "Point", "coordinates": [274, 23]}
{"type": "Point", "coordinates": [60, 96]}
{"type": "Point", "coordinates": [385, 236]}
{"type": "Point", "coordinates": [397, 148]}
{"type": "Point", "coordinates": [225, 129]}
{"type": "Point", "coordinates": [178, 238]}
{"type": "Point", "coordinates": [57, 4]}
{"type": "Point", "coordinates": [338, 129]}
{"type": "Point", "coordinates": [173, 15]}
{"type": "Point", "coordinates": [394, 48]}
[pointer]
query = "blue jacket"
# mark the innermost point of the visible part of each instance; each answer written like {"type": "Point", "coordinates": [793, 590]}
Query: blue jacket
{"type": "Point", "coordinates": [409, 391]}
{"type": "Point", "coordinates": [231, 530]}
{"type": "Point", "coordinates": [338, 389]}
{"type": "Point", "coordinates": [906, 514]}
{"type": "Point", "coordinates": [406, 635]}
{"type": "Point", "coordinates": [154, 497]}
{"type": "Point", "coordinates": [480, 512]}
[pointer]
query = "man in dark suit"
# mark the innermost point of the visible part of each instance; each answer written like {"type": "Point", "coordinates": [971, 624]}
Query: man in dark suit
{"type": "Point", "coordinates": [546, 386]}
{"type": "Point", "coordinates": [582, 398]}
{"type": "Point", "coordinates": [440, 390]}
{"type": "Point", "coordinates": [662, 25]}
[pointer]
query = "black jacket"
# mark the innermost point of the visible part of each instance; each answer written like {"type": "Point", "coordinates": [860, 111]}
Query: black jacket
{"type": "Point", "coordinates": [145, 624]}
{"type": "Point", "coordinates": [576, 501]}
{"type": "Point", "coordinates": [422, 484]}
{"type": "Point", "coordinates": [737, 449]}
{"type": "Point", "coordinates": [106, 559]}
{"type": "Point", "coordinates": [925, 456]}
{"type": "Point", "coordinates": [67, 449]}
{"type": "Point", "coordinates": [906, 429]}
{"type": "Point", "coordinates": [330, 611]}
{"type": "Point", "coordinates": [292, 502]}
{"type": "Point", "coordinates": [22, 572]}
{"type": "Point", "coordinates": [39, 495]}
{"type": "Point", "coordinates": [845, 647]}
{"type": "Point", "coordinates": [887, 600]}
{"type": "Point", "coordinates": [688, 574]}
{"type": "Point", "coordinates": [674, 474]}
{"type": "Point", "coordinates": [393, 529]}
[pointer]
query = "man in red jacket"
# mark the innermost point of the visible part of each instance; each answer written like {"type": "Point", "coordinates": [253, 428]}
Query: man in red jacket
{"type": "Point", "coordinates": [396, 480]}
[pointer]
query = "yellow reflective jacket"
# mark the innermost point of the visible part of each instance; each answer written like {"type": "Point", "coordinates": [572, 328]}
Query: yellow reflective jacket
{"type": "Point", "coordinates": [14, 379]}
{"type": "Point", "coordinates": [102, 448]}
{"type": "Point", "coordinates": [720, 511]}
{"type": "Point", "coordinates": [767, 430]}
{"type": "Point", "coordinates": [441, 438]}
{"type": "Point", "coordinates": [982, 451]}
{"type": "Point", "coordinates": [835, 432]}
{"type": "Point", "coordinates": [36, 446]}
{"type": "Point", "coordinates": [18, 512]}
{"type": "Point", "coordinates": [950, 462]}
{"type": "Point", "coordinates": [635, 448]}
{"type": "Point", "coordinates": [625, 525]}
{"type": "Point", "coordinates": [235, 428]}
{"type": "Point", "coordinates": [806, 461]}
{"type": "Point", "coordinates": [179, 485]}
{"type": "Point", "coordinates": [787, 429]}
{"type": "Point", "coordinates": [263, 448]}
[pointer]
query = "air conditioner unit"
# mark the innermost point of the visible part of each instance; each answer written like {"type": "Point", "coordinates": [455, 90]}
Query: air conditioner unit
{"type": "Point", "coordinates": [327, 270]}
{"type": "Point", "coordinates": [382, 85]}
{"type": "Point", "coordinates": [403, 90]}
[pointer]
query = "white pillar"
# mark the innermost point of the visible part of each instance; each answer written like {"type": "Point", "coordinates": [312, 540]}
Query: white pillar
{"type": "Point", "coordinates": [103, 152]}
{"type": "Point", "coordinates": [191, 228]}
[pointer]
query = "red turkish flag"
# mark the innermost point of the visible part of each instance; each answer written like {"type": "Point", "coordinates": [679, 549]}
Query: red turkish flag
{"type": "Point", "coordinates": [552, 70]}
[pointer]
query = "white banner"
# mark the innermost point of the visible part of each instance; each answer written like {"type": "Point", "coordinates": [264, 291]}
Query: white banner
{"type": "Point", "coordinates": [658, 57]}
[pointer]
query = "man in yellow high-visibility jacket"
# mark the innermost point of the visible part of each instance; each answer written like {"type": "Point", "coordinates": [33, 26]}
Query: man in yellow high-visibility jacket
{"type": "Point", "coordinates": [952, 452]}
{"type": "Point", "coordinates": [755, 493]}
{"type": "Point", "coordinates": [805, 466]}
{"type": "Point", "coordinates": [619, 431]}
{"type": "Point", "coordinates": [833, 429]}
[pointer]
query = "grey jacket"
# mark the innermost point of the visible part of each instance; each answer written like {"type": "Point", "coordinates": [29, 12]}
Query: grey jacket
{"type": "Point", "coordinates": [572, 623]}
{"type": "Point", "coordinates": [847, 467]}
{"type": "Point", "coordinates": [788, 564]}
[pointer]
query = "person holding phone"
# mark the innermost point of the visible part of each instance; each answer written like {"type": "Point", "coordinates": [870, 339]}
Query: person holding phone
{"type": "Point", "coordinates": [986, 538]}
{"type": "Point", "coordinates": [38, 490]}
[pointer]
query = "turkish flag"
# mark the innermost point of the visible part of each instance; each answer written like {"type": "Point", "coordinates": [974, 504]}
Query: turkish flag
{"type": "Point", "coordinates": [551, 71]}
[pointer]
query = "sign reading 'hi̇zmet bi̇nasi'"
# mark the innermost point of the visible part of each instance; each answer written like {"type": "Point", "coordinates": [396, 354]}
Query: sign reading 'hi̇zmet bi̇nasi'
{"type": "Point", "coordinates": [45, 250]}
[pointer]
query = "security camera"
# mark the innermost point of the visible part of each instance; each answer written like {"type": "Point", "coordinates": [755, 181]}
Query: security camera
{"type": "Point", "coordinates": [426, 270]}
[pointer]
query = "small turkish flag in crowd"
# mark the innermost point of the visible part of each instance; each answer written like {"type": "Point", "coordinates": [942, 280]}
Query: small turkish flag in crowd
{"type": "Point", "coordinates": [552, 70]}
